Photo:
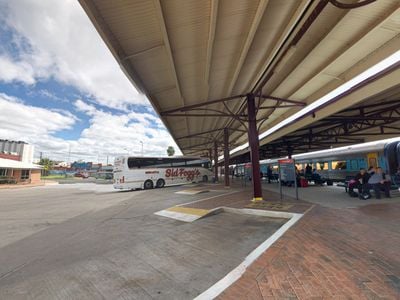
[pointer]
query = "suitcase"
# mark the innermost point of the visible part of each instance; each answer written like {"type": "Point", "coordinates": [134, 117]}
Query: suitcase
{"type": "Point", "coordinates": [303, 182]}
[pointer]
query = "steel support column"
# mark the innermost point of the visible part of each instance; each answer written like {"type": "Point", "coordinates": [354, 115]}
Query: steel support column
{"type": "Point", "coordinates": [215, 161]}
{"type": "Point", "coordinates": [226, 156]}
{"type": "Point", "coordinates": [254, 147]}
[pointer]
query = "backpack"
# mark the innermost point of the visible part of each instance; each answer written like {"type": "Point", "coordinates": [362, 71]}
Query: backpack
{"type": "Point", "coordinates": [352, 183]}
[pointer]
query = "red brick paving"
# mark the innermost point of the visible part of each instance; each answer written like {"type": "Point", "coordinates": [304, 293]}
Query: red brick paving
{"type": "Point", "coordinates": [341, 254]}
{"type": "Point", "coordinates": [329, 254]}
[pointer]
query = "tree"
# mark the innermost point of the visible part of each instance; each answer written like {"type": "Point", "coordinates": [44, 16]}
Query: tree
{"type": "Point", "coordinates": [170, 151]}
{"type": "Point", "coordinates": [47, 164]}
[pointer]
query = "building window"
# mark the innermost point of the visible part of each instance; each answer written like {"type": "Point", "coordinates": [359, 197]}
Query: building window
{"type": "Point", "coordinates": [3, 172]}
{"type": "Point", "coordinates": [24, 174]}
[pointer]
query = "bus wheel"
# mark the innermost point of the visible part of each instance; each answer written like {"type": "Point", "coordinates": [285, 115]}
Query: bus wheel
{"type": "Point", "coordinates": [160, 183]}
{"type": "Point", "coordinates": [205, 178]}
{"type": "Point", "coordinates": [148, 184]}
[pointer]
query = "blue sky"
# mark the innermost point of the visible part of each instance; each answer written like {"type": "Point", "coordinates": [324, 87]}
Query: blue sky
{"type": "Point", "coordinates": [61, 89]}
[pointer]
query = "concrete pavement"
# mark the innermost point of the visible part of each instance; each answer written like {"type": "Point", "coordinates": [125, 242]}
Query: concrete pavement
{"type": "Point", "coordinates": [87, 242]}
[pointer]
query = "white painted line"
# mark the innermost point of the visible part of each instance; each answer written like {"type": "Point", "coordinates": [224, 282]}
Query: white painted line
{"type": "Point", "coordinates": [236, 273]}
{"type": "Point", "coordinates": [259, 212]}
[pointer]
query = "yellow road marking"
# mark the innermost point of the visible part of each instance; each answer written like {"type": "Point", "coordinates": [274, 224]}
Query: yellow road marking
{"type": "Point", "coordinates": [189, 211]}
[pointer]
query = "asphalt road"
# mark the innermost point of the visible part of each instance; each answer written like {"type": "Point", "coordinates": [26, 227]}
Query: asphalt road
{"type": "Point", "coordinates": [86, 241]}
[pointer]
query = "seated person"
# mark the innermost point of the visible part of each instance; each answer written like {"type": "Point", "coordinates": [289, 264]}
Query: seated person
{"type": "Point", "coordinates": [396, 178]}
{"type": "Point", "coordinates": [360, 182]}
{"type": "Point", "coordinates": [316, 177]}
{"type": "Point", "coordinates": [371, 170]}
{"type": "Point", "coordinates": [308, 171]}
{"type": "Point", "coordinates": [380, 181]}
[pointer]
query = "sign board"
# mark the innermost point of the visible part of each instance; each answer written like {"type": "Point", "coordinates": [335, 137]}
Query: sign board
{"type": "Point", "coordinates": [287, 174]}
{"type": "Point", "coordinates": [287, 170]}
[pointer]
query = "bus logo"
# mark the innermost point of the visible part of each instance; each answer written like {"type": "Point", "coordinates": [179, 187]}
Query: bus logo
{"type": "Point", "coordinates": [189, 174]}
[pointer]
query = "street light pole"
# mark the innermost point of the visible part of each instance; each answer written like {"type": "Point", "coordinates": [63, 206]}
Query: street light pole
{"type": "Point", "coordinates": [142, 147]}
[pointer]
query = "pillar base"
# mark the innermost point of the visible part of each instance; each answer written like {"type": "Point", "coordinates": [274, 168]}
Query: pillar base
{"type": "Point", "coordinates": [257, 199]}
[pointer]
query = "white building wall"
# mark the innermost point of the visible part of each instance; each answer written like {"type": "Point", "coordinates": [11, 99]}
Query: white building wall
{"type": "Point", "coordinates": [27, 153]}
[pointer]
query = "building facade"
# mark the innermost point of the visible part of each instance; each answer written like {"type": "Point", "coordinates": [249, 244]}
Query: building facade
{"type": "Point", "coordinates": [16, 165]}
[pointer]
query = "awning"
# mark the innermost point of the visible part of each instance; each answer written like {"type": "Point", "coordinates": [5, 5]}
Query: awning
{"type": "Point", "coordinates": [184, 54]}
{"type": "Point", "coordinates": [14, 164]}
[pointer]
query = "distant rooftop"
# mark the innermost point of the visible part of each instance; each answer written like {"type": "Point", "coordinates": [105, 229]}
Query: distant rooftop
{"type": "Point", "coordinates": [18, 142]}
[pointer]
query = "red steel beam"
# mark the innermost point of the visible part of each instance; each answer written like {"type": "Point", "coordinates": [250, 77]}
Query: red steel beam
{"type": "Point", "coordinates": [226, 156]}
{"type": "Point", "coordinates": [296, 103]}
{"type": "Point", "coordinates": [277, 106]}
{"type": "Point", "coordinates": [189, 107]}
{"type": "Point", "coordinates": [215, 161]}
{"type": "Point", "coordinates": [197, 134]}
{"type": "Point", "coordinates": [254, 148]}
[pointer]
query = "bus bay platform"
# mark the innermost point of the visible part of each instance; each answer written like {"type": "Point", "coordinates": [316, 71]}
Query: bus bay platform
{"type": "Point", "coordinates": [342, 248]}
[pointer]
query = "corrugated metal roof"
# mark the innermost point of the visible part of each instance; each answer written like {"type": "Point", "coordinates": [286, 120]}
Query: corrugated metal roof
{"type": "Point", "coordinates": [186, 52]}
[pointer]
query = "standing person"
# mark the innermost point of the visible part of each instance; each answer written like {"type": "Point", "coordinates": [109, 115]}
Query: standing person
{"type": "Point", "coordinates": [378, 181]}
{"type": "Point", "coordinates": [308, 170]}
{"type": "Point", "coordinates": [269, 173]}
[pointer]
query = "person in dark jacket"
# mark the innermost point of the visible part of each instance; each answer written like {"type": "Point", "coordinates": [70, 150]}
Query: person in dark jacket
{"type": "Point", "coordinates": [269, 173]}
{"type": "Point", "coordinates": [361, 181]}
{"type": "Point", "coordinates": [308, 172]}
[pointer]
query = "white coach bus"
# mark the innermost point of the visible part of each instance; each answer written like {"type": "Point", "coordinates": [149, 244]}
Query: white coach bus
{"type": "Point", "coordinates": [148, 172]}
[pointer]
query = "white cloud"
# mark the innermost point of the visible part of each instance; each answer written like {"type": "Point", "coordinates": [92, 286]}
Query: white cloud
{"type": "Point", "coordinates": [120, 134]}
{"type": "Point", "coordinates": [17, 119]}
{"type": "Point", "coordinates": [57, 40]}
{"type": "Point", "coordinates": [15, 71]}
{"type": "Point", "coordinates": [107, 135]}
{"type": "Point", "coordinates": [33, 125]}
{"type": "Point", "coordinates": [84, 107]}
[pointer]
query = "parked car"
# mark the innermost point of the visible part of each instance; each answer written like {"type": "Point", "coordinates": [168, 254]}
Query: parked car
{"type": "Point", "coordinates": [82, 175]}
